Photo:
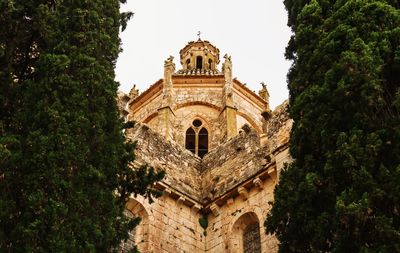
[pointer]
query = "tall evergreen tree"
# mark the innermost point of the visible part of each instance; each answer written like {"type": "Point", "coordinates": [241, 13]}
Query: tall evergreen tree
{"type": "Point", "coordinates": [64, 162]}
{"type": "Point", "coordinates": [342, 192]}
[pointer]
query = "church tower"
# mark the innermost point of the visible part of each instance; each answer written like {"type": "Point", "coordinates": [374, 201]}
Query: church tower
{"type": "Point", "coordinates": [222, 149]}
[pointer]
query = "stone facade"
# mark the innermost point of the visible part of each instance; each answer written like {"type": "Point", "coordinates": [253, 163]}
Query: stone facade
{"type": "Point", "coordinates": [222, 150]}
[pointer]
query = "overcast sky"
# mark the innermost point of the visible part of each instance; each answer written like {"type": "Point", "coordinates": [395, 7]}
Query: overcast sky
{"type": "Point", "coordinates": [253, 32]}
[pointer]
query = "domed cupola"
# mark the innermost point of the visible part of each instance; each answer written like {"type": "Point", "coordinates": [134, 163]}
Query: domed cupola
{"type": "Point", "coordinates": [199, 58]}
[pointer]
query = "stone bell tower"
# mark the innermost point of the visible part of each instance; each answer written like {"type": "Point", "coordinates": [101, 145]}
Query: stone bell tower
{"type": "Point", "coordinates": [222, 149]}
{"type": "Point", "coordinates": [199, 93]}
{"type": "Point", "coordinates": [200, 56]}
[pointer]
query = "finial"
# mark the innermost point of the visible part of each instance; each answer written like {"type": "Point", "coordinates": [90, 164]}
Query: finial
{"type": "Point", "coordinates": [227, 57]}
{"type": "Point", "coordinates": [264, 86]}
{"type": "Point", "coordinates": [198, 34]}
{"type": "Point", "coordinates": [263, 93]}
{"type": "Point", "coordinates": [169, 60]}
{"type": "Point", "coordinates": [134, 92]}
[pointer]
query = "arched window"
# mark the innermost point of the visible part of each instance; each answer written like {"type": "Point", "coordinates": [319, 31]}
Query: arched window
{"type": "Point", "coordinates": [197, 138]}
{"type": "Point", "coordinates": [251, 239]}
{"type": "Point", "coordinates": [210, 63]}
{"type": "Point", "coordinates": [190, 140]}
{"type": "Point", "coordinates": [245, 234]}
{"type": "Point", "coordinates": [199, 62]}
{"type": "Point", "coordinates": [203, 142]}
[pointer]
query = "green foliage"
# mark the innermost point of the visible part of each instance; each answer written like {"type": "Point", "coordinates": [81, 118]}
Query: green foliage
{"type": "Point", "coordinates": [342, 192]}
{"type": "Point", "coordinates": [203, 221]}
{"type": "Point", "coordinates": [64, 163]}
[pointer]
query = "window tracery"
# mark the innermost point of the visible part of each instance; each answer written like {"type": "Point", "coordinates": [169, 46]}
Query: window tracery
{"type": "Point", "coordinates": [197, 138]}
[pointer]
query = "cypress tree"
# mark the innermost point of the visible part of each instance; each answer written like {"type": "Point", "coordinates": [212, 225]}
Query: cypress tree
{"type": "Point", "coordinates": [65, 172]}
{"type": "Point", "coordinates": [342, 192]}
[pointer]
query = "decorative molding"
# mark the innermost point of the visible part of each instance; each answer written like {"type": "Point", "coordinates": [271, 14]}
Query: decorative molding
{"type": "Point", "coordinates": [167, 192]}
{"type": "Point", "coordinates": [273, 174]}
{"type": "Point", "coordinates": [196, 208]}
{"type": "Point", "coordinates": [214, 209]}
{"type": "Point", "coordinates": [258, 182]}
{"type": "Point", "coordinates": [243, 192]}
{"type": "Point", "coordinates": [181, 200]}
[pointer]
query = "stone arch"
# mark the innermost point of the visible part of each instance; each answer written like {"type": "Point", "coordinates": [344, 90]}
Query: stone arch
{"type": "Point", "coordinates": [246, 234]}
{"type": "Point", "coordinates": [187, 123]}
{"type": "Point", "coordinates": [150, 117]}
{"type": "Point", "coordinates": [189, 103]}
{"type": "Point", "coordinates": [251, 122]}
{"type": "Point", "coordinates": [250, 214]}
{"type": "Point", "coordinates": [250, 209]}
{"type": "Point", "coordinates": [139, 236]}
{"type": "Point", "coordinates": [185, 116]}
{"type": "Point", "coordinates": [197, 115]}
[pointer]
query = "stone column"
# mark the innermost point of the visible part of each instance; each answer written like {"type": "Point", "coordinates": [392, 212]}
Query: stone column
{"type": "Point", "coordinates": [166, 113]}
{"type": "Point", "coordinates": [229, 111]}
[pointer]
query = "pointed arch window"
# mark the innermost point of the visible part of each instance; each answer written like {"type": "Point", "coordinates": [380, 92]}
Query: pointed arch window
{"type": "Point", "coordinates": [191, 140]}
{"type": "Point", "coordinates": [197, 138]}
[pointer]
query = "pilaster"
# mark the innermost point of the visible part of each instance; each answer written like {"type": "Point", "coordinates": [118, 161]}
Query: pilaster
{"type": "Point", "coordinates": [166, 113]}
{"type": "Point", "coordinates": [229, 111]}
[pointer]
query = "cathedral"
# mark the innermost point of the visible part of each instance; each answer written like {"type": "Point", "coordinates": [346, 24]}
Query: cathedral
{"type": "Point", "coordinates": [222, 149]}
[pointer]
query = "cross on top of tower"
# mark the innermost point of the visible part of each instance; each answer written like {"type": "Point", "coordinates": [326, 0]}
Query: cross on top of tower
{"type": "Point", "coordinates": [198, 34]}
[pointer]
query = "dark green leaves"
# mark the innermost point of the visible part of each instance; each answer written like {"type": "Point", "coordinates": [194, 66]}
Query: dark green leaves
{"type": "Point", "coordinates": [341, 194]}
{"type": "Point", "coordinates": [65, 171]}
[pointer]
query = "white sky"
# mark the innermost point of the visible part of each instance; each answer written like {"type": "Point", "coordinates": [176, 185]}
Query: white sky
{"type": "Point", "coordinates": [253, 32]}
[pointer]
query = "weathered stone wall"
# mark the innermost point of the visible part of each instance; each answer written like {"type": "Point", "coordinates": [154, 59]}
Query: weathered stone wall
{"type": "Point", "coordinates": [241, 121]}
{"type": "Point", "coordinates": [169, 226]}
{"type": "Point", "coordinates": [140, 112]}
{"type": "Point", "coordinates": [225, 231]}
{"type": "Point", "coordinates": [181, 166]}
{"type": "Point", "coordinates": [279, 126]}
{"type": "Point", "coordinates": [224, 167]}
{"type": "Point", "coordinates": [198, 97]}
{"type": "Point", "coordinates": [249, 110]}
{"type": "Point", "coordinates": [232, 184]}
{"type": "Point", "coordinates": [172, 226]}
{"type": "Point", "coordinates": [209, 116]}
{"type": "Point", "coordinates": [232, 163]}
{"type": "Point", "coordinates": [206, 92]}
